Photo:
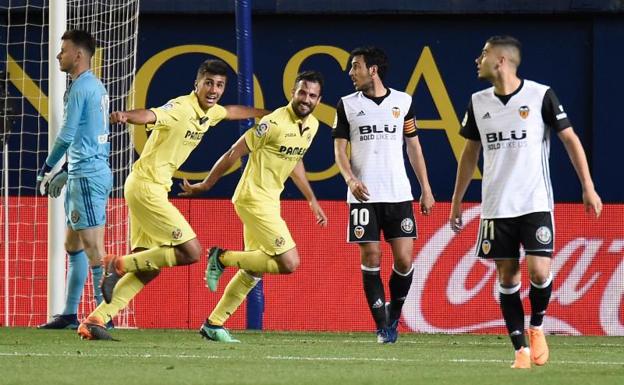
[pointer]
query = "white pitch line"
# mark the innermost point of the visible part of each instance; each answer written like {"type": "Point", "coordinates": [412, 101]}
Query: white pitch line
{"type": "Point", "coordinates": [290, 358]}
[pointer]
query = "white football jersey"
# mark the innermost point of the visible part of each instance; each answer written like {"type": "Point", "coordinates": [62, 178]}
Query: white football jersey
{"type": "Point", "coordinates": [516, 147]}
{"type": "Point", "coordinates": [375, 128]}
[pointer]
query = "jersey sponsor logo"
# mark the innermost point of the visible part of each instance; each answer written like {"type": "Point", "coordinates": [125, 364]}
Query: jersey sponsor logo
{"type": "Point", "coordinates": [524, 112]}
{"type": "Point", "coordinates": [562, 115]}
{"type": "Point", "coordinates": [513, 139]}
{"type": "Point", "coordinates": [543, 235]}
{"type": "Point", "coordinates": [261, 130]}
{"type": "Point", "coordinates": [486, 246]}
{"type": "Point", "coordinates": [407, 225]}
{"type": "Point", "coordinates": [486, 116]}
{"type": "Point", "coordinates": [176, 234]}
{"type": "Point", "coordinates": [193, 135]}
{"type": "Point", "coordinates": [358, 231]}
{"type": "Point", "coordinates": [287, 150]}
{"type": "Point", "coordinates": [370, 132]}
{"type": "Point", "coordinates": [279, 241]}
{"type": "Point", "coordinates": [396, 112]}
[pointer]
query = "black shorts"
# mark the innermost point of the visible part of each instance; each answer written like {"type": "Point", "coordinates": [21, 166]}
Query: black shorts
{"type": "Point", "coordinates": [501, 237]}
{"type": "Point", "coordinates": [367, 220]}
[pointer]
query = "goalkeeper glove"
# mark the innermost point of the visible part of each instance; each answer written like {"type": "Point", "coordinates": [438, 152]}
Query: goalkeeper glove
{"type": "Point", "coordinates": [57, 182]}
{"type": "Point", "coordinates": [43, 176]}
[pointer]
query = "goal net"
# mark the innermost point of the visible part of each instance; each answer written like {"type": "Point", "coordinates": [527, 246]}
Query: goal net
{"type": "Point", "coordinates": [24, 116]}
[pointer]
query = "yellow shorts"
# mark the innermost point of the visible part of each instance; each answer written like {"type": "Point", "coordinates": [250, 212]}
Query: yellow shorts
{"type": "Point", "coordinates": [264, 229]}
{"type": "Point", "coordinates": [154, 221]}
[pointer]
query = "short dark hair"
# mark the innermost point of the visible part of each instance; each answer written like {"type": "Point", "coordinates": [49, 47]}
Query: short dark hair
{"type": "Point", "coordinates": [80, 38]}
{"type": "Point", "coordinates": [310, 76]}
{"type": "Point", "coordinates": [212, 66]}
{"type": "Point", "coordinates": [372, 56]}
{"type": "Point", "coordinates": [507, 41]}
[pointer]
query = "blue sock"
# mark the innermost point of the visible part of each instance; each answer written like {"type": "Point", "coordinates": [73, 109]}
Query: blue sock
{"type": "Point", "coordinates": [96, 277]}
{"type": "Point", "coordinates": [76, 277]}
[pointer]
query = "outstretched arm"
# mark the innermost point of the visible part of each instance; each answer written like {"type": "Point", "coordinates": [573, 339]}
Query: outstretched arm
{"type": "Point", "coordinates": [237, 112]}
{"type": "Point", "coordinates": [224, 163]}
{"type": "Point", "coordinates": [298, 176]}
{"type": "Point", "coordinates": [417, 160]}
{"type": "Point", "coordinates": [575, 151]}
{"type": "Point", "coordinates": [140, 116]}
{"type": "Point", "coordinates": [465, 169]}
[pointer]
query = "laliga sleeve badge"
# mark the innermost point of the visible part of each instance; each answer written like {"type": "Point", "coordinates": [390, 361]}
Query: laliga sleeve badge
{"type": "Point", "coordinates": [486, 246]}
{"type": "Point", "coordinates": [261, 129]}
{"type": "Point", "coordinates": [543, 235]}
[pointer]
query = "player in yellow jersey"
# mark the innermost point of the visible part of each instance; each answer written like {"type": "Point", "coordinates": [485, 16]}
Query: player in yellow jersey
{"type": "Point", "coordinates": [160, 235]}
{"type": "Point", "coordinates": [276, 147]}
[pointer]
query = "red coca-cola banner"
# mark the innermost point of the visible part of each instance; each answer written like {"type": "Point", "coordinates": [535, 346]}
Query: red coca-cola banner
{"type": "Point", "coordinates": [452, 291]}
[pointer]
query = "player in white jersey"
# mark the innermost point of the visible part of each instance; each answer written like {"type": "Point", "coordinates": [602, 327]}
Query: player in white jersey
{"type": "Point", "coordinates": [512, 121]}
{"type": "Point", "coordinates": [377, 120]}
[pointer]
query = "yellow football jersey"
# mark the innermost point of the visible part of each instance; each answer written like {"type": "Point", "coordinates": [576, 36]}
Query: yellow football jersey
{"type": "Point", "coordinates": [179, 127]}
{"type": "Point", "coordinates": [277, 143]}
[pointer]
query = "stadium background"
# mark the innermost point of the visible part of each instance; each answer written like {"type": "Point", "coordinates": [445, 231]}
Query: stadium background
{"type": "Point", "coordinates": [572, 46]}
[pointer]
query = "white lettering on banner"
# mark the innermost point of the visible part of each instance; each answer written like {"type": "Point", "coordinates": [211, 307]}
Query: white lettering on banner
{"type": "Point", "coordinates": [569, 291]}
{"type": "Point", "coordinates": [431, 252]}
{"type": "Point", "coordinates": [456, 289]}
{"type": "Point", "coordinates": [613, 295]}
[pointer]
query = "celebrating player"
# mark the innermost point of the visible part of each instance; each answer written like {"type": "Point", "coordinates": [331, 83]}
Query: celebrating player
{"type": "Point", "coordinates": [160, 235]}
{"type": "Point", "coordinates": [277, 146]}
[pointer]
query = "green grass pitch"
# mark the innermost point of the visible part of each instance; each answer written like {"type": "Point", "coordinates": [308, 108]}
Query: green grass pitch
{"type": "Point", "coordinates": [30, 356]}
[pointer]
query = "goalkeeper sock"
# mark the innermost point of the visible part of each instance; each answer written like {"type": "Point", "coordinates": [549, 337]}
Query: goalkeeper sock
{"type": "Point", "coordinates": [96, 278]}
{"type": "Point", "coordinates": [235, 293]}
{"type": "Point", "coordinates": [513, 313]}
{"type": "Point", "coordinates": [375, 295]}
{"type": "Point", "coordinates": [399, 287]}
{"type": "Point", "coordinates": [256, 261]}
{"type": "Point", "coordinates": [152, 259]}
{"type": "Point", "coordinates": [76, 278]}
{"type": "Point", "coordinates": [128, 286]}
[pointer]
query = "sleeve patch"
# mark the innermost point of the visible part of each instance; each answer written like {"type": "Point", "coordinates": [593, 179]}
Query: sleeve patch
{"type": "Point", "coordinates": [261, 130]}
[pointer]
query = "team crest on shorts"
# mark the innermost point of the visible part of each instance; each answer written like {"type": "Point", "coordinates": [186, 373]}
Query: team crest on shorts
{"type": "Point", "coordinates": [396, 111]}
{"type": "Point", "coordinates": [524, 112]}
{"type": "Point", "coordinates": [75, 216]}
{"type": "Point", "coordinates": [176, 234]}
{"type": "Point", "coordinates": [358, 231]}
{"type": "Point", "coordinates": [279, 241]}
{"type": "Point", "coordinates": [407, 225]}
{"type": "Point", "coordinates": [486, 246]}
{"type": "Point", "coordinates": [543, 235]}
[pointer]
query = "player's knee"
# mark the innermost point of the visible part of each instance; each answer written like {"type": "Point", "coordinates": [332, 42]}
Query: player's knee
{"type": "Point", "coordinates": [539, 277]}
{"type": "Point", "coordinates": [188, 253]}
{"type": "Point", "coordinates": [371, 258]}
